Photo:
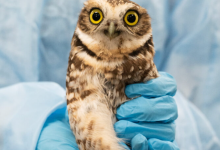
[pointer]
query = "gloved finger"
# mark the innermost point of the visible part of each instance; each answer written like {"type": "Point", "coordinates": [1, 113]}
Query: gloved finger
{"type": "Point", "coordinates": [155, 144]}
{"type": "Point", "coordinates": [148, 110]}
{"type": "Point", "coordinates": [127, 130]}
{"type": "Point", "coordinates": [161, 86]}
{"type": "Point", "coordinates": [139, 142]}
{"type": "Point", "coordinates": [57, 135]}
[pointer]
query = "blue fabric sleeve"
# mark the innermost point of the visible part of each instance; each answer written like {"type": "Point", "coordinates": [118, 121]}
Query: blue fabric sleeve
{"type": "Point", "coordinates": [24, 108]}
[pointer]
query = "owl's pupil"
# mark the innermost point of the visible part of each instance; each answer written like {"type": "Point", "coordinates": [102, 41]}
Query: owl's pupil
{"type": "Point", "coordinates": [131, 18]}
{"type": "Point", "coordinates": [96, 16]}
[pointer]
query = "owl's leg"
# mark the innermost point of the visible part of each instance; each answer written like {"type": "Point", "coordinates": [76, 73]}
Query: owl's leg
{"type": "Point", "coordinates": [91, 122]}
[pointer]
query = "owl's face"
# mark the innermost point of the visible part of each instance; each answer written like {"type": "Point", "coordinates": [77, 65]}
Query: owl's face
{"type": "Point", "coordinates": [114, 27]}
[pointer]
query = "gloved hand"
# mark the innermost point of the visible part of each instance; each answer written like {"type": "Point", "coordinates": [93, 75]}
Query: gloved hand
{"type": "Point", "coordinates": [147, 122]}
{"type": "Point", "coordinates": [57, 135]}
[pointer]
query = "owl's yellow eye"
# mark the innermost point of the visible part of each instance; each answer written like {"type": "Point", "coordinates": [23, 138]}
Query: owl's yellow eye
{"type": "Point", "coordinates": [131, 18]}
{"type": "Point", "coordinates": [96, 16]}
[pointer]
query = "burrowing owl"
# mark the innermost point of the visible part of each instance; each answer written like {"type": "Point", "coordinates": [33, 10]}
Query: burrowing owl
{"type": "Point", "coordinates": [112, 46]}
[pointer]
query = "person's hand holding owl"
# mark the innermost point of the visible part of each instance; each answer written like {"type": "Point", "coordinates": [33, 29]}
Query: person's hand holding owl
{"type": "Point", "coordinates": [147, 123]}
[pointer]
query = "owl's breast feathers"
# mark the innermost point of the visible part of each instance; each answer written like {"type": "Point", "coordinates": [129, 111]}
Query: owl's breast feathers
{"type": "Point", "coordinates": [90, 74]}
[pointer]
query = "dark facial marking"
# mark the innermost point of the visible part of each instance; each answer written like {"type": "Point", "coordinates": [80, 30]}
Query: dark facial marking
{"type": "Point", "coordinates": [144, 25]}
{"type": "Point", "coordinates": [78, 43]}
{"type": "Point", "coordinates": [83, 19]}
{"type": "Point", "coordinates": [144, 48]}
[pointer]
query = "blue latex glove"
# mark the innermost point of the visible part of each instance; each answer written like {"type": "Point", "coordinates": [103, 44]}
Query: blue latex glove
{"type": "Point", "coordinates": [150, 116]}
{"type": "Point", "coordinates": [57, 135]}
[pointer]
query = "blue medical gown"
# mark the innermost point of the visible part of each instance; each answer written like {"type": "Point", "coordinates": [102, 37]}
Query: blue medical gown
{"type": "Point", "coordinates": [35, 41]}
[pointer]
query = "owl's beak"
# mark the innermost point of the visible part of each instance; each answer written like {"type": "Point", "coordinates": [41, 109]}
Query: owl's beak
{"type": "Point", "coordinates": [111, 30]}
{"type": "Point", "coordinates": [112, 33]}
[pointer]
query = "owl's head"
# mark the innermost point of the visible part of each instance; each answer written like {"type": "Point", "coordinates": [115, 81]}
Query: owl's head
{"type": "Point", "coordinates": [113, 27]}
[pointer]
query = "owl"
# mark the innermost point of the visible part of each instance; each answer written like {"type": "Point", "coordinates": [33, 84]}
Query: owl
{"type": "Point", "coordinates": [112, 47]}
